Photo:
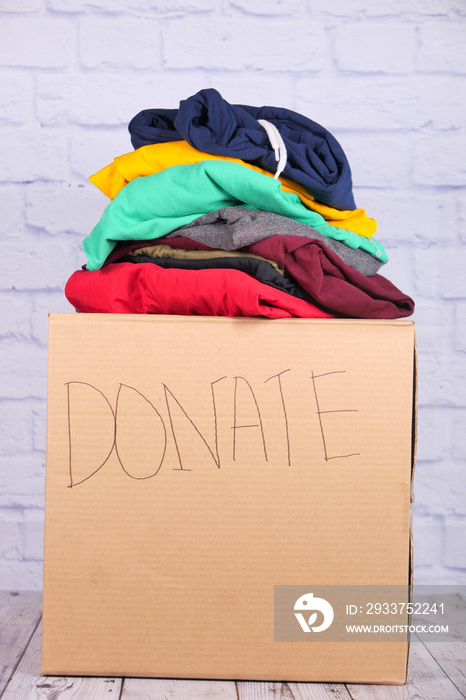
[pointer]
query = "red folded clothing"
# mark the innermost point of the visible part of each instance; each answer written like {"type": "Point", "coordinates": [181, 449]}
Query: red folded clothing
{"type": "Point", "coordinates": [145, 288]}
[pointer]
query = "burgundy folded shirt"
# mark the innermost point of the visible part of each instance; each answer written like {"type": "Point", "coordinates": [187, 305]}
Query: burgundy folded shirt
{"type": "Point", "coordinates": [328, 280]}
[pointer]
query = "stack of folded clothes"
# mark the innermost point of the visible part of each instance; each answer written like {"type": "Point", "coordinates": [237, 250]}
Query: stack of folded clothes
{"type": "Point", "coordinates": [232, 210]}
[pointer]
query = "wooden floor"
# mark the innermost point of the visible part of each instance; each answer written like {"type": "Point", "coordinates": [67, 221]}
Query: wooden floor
{"type": "Point", "coordinates": [437, 671]}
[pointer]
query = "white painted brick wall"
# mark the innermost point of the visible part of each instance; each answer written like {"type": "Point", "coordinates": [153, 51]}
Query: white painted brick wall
{"type": "Point", "coordinates": [387, 78]}
{"type": "Point", "coordinates": [37, 42]}
{"type": "Point", "coordinates": [442, 47]}
{"type": "Point", "coordinates": [123, 42]}
{"type": "Point", "coordinates": [375, 46]}
{"type": "Point", "coordinates": [244, 43]}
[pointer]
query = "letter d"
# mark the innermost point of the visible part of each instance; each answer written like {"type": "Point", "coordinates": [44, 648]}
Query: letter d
{"type": "Point", "coordinates": [91, 431]}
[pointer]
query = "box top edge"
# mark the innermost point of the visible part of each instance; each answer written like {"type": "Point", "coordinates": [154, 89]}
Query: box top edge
{"type": "Point", "coordinates": [157, 318]}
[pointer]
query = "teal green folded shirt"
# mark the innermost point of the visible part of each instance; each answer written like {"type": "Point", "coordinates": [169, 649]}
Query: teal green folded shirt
{"type": "Point", "coordinates": [153, 206]}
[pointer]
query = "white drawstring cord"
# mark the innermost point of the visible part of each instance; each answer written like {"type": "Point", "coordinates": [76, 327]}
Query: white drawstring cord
{"type": "Point", "coordinates": [277, 144]}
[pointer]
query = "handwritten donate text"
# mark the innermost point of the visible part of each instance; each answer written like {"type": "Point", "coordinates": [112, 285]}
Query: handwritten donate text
{"type": "Point", "coordinates": [170, 426]}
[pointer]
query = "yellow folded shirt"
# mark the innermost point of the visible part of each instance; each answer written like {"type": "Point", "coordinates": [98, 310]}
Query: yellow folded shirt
{"type": "Point", "coordinates": [156, 157]}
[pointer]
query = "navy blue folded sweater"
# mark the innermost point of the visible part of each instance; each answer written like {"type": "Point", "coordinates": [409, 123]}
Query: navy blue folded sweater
{"type": "Point", "coordinates": [315, 159]}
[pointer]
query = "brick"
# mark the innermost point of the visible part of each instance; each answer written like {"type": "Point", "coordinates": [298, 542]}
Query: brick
{"type": "Point", "coordinates": [16, 97]}
{"type": "Point", "coordinates": [434, 321]}
{"type": "Point", "coordinates": [442, 380]}
{"type": "Point", "coordinates": [399, 268]}
{"type": "Point", "coordinates": [43, 263]}
{"type": "Point", "coordinates": [453, 284]}
{"type": "Point", "coordinates": [24, 576]}
{"type": "Point", "coordinates": [442, 47]}
{"type": "Point", "coordinates": [90, 151]}
{"type": "Point", "coordinates": [375, 162]}
{"type": "Point", "coordinates": [22, 480]}
{"type": "Point", "coordinates": [440, 160]}
{"type": "Point", "coordinates": [36, 42]}
{"type": "Point", "coordinates": [119, 42]}
{"type": "Point", "coordinates": [455, 537]}
{"type": "Point", "coordinates": [439, 487]}
{"type": "Point", "coordinates": [58, 98]}
{"type": "Point", "coordinates": [459, 335]}
{"type": "Point", "coordinates": [361, 8]}
{"type": "Point", "coordinates": [10, 541]}
{"type": "Point", "coordinates": [430, 271]}
{"type": "Point", "coordinates": [15, 427]}
{"type": "Point", "coordinates": [244, 88]}
{"type": "Point", "coordinates": [434, 435]}
{"type": "Point", "coordinates": [32, 531]}
{"type": "Point", "coordinates": [411, 217]}
{"type": "Point", "coordinates": [23, 370]}
{"type": "Point", "coordinates": [110, 98]}
{"type": "Point", "coordinates": [15, 314]}
{"type": "Point", "coordinates": [427, 537]}
{"type": "Point", "coordinates": [67, 208]}
{"type": "Point", "coordinates": [39, 418]}
{"type": "Point", "coordinates": [342, 8]}
{"type": "Point", "coordinates": [460, 196]}
{"type": "Point", "coordinates": [23, 6]}
{"type": "Point", "coordinates": [28, 155]}
{"type": "Point", "coordinates": [133, 6]}
{"type": "Point", "coordinates": [43, 304]}
{"type": "Point", "coordinates": [439, 272]}
{"type": "Point", "coordinates": [12, 208]}
{"type": "Point", "coordinates": [459, 436]}
{"type": "Point", "coordinates": [437, 575]}
{"type": "Point", "coordinates": [21, 502]}
{"type": "Point", "coordinates": [383, 102]}
{"type": "Point", "coordinates": [373, 46]}
{"type": "Point", "coordinates": [269, 44]}
{"type": "Point", "coordinates": [265, 7]}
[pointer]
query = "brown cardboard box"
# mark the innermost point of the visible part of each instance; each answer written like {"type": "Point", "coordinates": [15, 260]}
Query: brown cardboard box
{"type": "Point", "coordinates": [193, 464]}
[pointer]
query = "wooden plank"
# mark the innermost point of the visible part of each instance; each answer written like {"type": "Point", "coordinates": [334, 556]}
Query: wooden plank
{"type": "Point", "coordinates": [173, 689]}
{"type": "Point", "coordinates": [262, 690]}
{"type": "Point", "coordinates": [319, 691]}
{"type": "Point", "coordinates": [451, 657]}
{"type": "Point", "coordinates": [250, 690]}
{"type": "Point", "coordinates": [19, 616]}
{"type": "Point", "coordinates": [426, 680]}
{"type": "Point", "coordinates": [27, 684]}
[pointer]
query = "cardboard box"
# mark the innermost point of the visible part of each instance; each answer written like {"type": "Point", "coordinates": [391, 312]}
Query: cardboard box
{"type": "Point", "coordinates": [194, 464]}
